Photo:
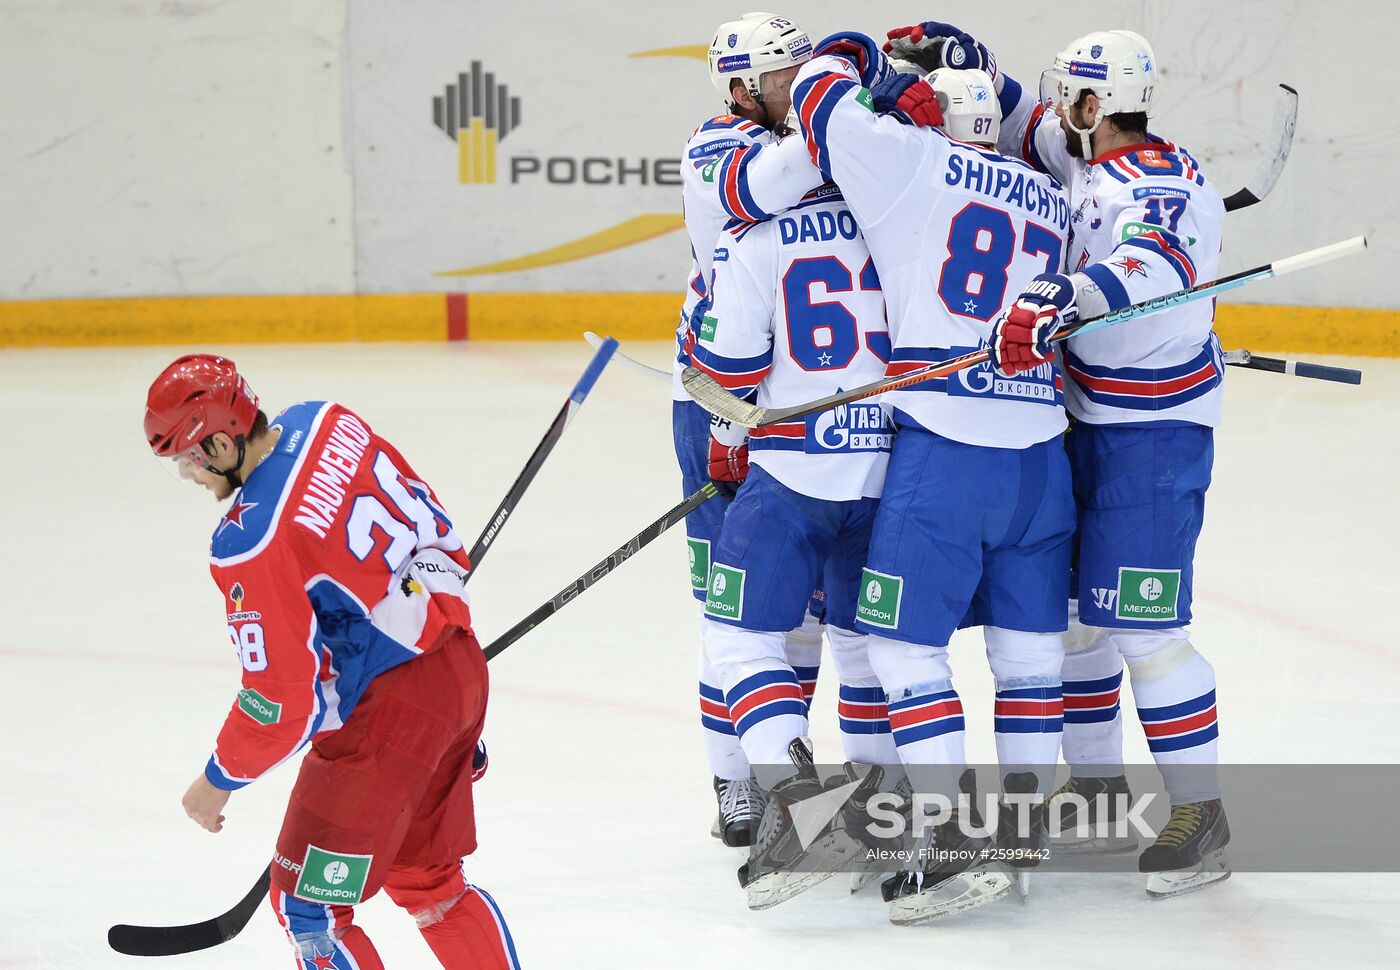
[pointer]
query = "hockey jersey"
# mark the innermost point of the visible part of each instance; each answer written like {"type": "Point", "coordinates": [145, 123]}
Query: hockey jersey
{"type": "Point", "coordinates": [733, 170]}
{"type": "Point", "coordinates": [956, 232]}
{"type": "Point", "coordinates": [797, 314]}
{"type": "Point", "coordinates": [1145, 221]}
{"type": "Point", "coordinates": [337, 563]}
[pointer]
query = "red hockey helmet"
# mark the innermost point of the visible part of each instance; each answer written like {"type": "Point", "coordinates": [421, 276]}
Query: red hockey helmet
{"type": "Point", "coordinates": [195, 397]}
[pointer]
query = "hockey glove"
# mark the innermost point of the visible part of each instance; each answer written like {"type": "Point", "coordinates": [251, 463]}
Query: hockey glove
{"type": "Point", "coordinates": [909, 98]}
{"type": "Point", "coordinates": [1021, 338]}
{"type": "Point", "coordinates": [934, 45]}
{"type": "Point", "coordinates": [729, 454]}
{"type": "Point", "coordinates": [870, 62]}
{"type": "Point", "coordinates": [479, 761]}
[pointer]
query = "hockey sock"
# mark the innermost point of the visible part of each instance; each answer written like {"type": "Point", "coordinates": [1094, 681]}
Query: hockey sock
{"type": "Point", "coordinates": [1092, 717]}
{"type": "Point", "coordinates": [1093, 677]}
{"type": "Point", "coordinates": [926, 715]}
{"type": "Point", "coordinates": [804, 654]}
{"type": "Point", "coordinates": [722, 748]}
{"type": "Point", "coordinates": [862, 712]}
{"type": "Point", "coordinates": [1029, 705]}
{"type": "Point", "coordinates": [764, 696]}
{"type": "Point", "coordinates": [325, 937]}
{"type": "Point", "coordinates": [1174, 688]}
{"type": "Point", "coordinates": [460, 922]}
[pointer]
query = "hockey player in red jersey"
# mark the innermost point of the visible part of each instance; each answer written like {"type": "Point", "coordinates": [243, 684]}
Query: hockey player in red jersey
{"type": "Point", "coordinates": [344, 586]}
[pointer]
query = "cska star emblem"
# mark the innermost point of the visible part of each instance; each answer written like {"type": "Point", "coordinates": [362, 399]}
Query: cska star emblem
{"type": "Point", "coordinates": [320, 961]}
{"type": "Point", "coordinates": [1129, 266]}
{"type": "Point", "coordinates": [235, 514]}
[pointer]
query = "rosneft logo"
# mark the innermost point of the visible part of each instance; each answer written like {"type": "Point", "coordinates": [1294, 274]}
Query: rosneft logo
{"type": "Point", "coordinates": [478, 114]}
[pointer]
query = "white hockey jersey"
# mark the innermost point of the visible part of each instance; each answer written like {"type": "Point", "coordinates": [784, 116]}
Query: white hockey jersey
{"type": "Point", "coordinates": [1145, 222]}
{"type": "Point", "coordinates": [733, 170]}
{"type": "Point", "coordinates": [957, 232]}
{"type": "Point", "coordinates": [797, 313]}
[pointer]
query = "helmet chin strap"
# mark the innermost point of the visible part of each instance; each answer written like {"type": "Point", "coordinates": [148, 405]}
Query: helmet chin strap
{"type": "Point", "coordinates": [1084, 133]}
{"type": "Point", "coordinates": [232, 476]}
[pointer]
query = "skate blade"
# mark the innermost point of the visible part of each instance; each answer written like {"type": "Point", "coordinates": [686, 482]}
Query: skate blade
{"type": "Point", "coordinates": [1212, 868]}
{"type": "Point", "coordinates": [768, 890]}
{"type": "Point", "coordinates": [859, 880]}
{"type": "Point", "coordinates": [715, 831]}
{"type": "Point", "coordinates": [1021, 882]}
{"type": "Point", "coordinates": [1108, 846]}
{"type": "Point", "coordinates": [967, 890]}
{"type": "Point", "coordinates": [836, 850]}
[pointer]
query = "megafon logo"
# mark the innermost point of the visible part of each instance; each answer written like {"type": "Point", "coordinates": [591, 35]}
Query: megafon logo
{"type": "Point", "coordinates": [478, 114]}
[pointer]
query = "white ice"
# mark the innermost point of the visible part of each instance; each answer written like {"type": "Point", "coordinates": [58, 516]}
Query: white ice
{"type": "Point", "coordinates": [594, 818]}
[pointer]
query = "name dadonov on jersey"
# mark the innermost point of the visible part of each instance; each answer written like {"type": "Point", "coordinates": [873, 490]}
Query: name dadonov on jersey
{"type": "Point", "coordinates": [848, 427]}
{"type": "Point", "coordinates": [821, 227]}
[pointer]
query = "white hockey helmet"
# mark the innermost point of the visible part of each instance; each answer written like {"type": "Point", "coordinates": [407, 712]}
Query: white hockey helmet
{"type": "Point", "coordinates": [968, 100]}
{"type": "Point", "coordinates": [753, 45]}
{"type": "Point", "coordinates": [1118, 66]}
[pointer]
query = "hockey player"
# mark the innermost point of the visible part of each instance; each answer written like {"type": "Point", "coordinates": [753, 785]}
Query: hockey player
{"type": "Point", "coordinates": [735, 168]}
{"type": "Point", "coordinates": [343, 578]}
{"type": "Point", "coordinates": [1145, 398]}
{"type": "Point", "coordinates": [797, 313]}
{"type": "Point", "coordinates": [976, 516]}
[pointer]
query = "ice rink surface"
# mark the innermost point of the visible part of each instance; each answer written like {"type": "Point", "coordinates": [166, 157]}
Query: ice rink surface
{"type": "Point", "coordinates": [594, 818]}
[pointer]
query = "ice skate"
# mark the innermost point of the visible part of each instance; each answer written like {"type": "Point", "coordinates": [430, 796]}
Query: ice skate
{"type": "Point", "coordinates": [948, 873]}
{"type": "Point", "coordinates": [740, 808]}
{"type": "Point", "coordinates": [1022, 854]}
{"type": "Point", "coordinates": [869, 869]}
{"type": "Point", "coordinates": [1108, 800]}
{"type": "Point", "coordinates": [793, 835]}
{"type": "Point", "coordinates": [1189, 853]}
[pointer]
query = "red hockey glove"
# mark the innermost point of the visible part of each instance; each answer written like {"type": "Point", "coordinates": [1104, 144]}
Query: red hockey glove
{"type": "Point", "coordinates": [909, 98]}
{"type": "Point", "coordinates": [1021, 339]}
{"type": "Point", "coordinates": [729, 453]}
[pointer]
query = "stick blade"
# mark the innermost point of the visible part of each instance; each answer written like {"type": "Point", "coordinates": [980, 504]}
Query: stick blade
{"type": "Point", "coordinates": [1278, 146]}
{"type": "Point", "coordinates": [168, 941]}
{"type": "Point", "coordinates": [705, 391]}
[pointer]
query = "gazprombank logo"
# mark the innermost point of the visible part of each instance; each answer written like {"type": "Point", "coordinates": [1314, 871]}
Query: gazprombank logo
{"type": "Point", "coordinates": [476, 113]}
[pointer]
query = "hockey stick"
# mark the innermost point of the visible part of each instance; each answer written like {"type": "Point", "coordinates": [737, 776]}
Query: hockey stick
{"type": "Point", "coordinates": [708, 393]}
{"type": "Point", "coordinates": [606, 349]}
{"type": "Point", "coordinates": [1285, 121]}
{"type": "Point", "coordinates": [620, 555]}
{"type": "Point", "coordinates": [163, 941]}
{"type": "Point", "coordinates": [653, 372]}
{"type": "Point", "coordinates": [1295, 368]}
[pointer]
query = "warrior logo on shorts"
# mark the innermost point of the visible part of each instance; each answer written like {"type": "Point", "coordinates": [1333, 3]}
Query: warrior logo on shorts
{"type": "Point", "coordinates": [1147, 594]}
{"type": "Point", "coordinates": [726, 597]}
{"type": "Point", "coordinates": [879, 599]}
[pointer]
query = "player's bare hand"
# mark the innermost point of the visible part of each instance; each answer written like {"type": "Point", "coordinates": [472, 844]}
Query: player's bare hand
{"type": "Point", "coordinates": [203, 803]}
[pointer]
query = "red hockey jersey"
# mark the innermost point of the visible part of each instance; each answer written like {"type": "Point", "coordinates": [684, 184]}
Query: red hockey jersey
{"type": "Point", "coordinates": [338, 564]}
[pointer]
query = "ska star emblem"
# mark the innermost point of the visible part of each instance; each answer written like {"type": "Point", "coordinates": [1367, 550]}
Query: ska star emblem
{"type": "Point", "coordinates": [236, 513]}
{"type": "Point", "coordinates": [323, 961]}
{"type": "Point", "coordinates": [1129, 265]}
